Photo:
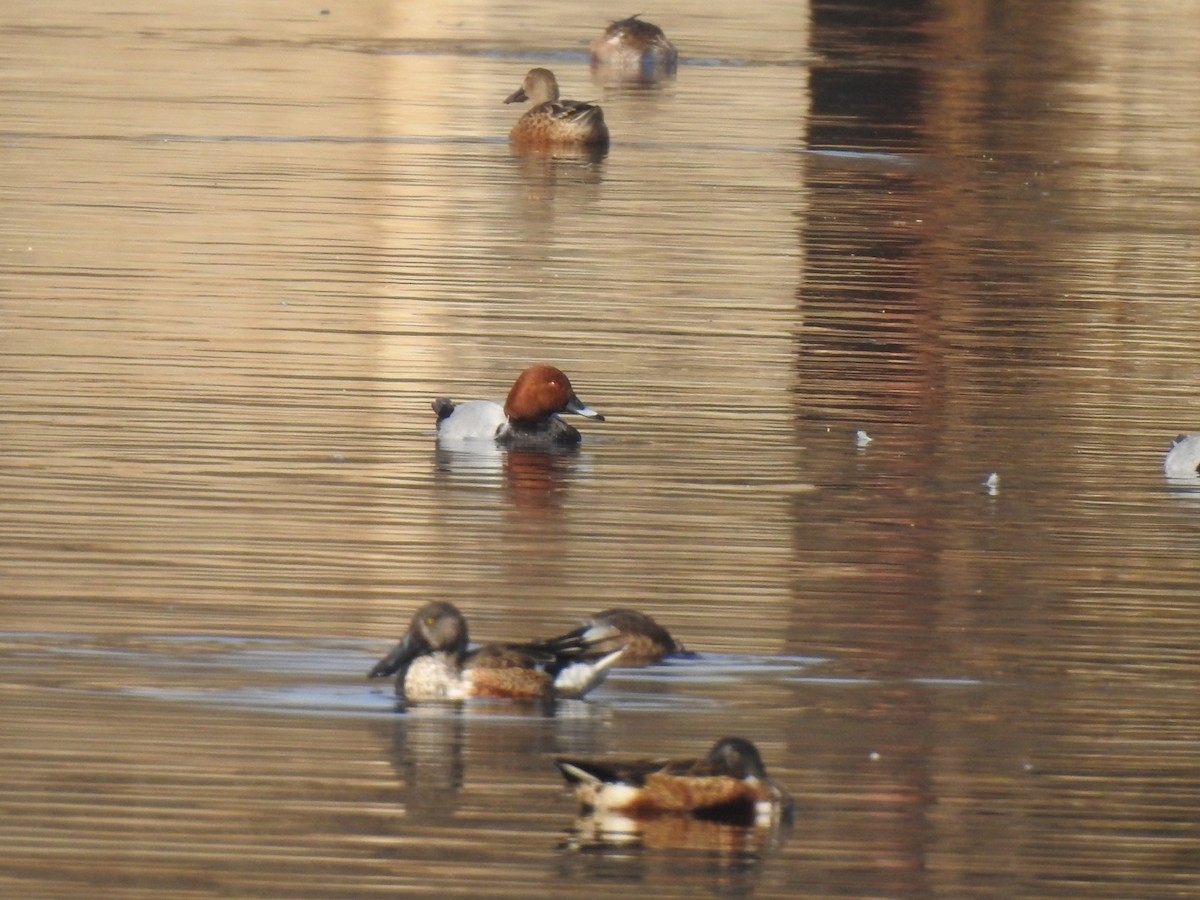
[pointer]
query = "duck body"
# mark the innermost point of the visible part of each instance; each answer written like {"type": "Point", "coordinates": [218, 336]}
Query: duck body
{"type": "Point", "coordinates": [527, 420]}
{"type": "Point", "coordinates": [729, 785]}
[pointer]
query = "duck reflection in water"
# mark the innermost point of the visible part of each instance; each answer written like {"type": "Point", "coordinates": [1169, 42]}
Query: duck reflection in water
{"type": "Point", "coordinates": [430, 746]}
{"type": "Point", "coordinates": [535, 479]}
{"type": "Point", "coordinates": [617, 847]}
{"type": "Point", "coordinates": [427, 756]}
{"type": "Point", "coordinates": [537, 476]}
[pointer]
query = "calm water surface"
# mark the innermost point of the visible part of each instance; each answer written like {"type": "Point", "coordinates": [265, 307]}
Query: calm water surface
{"type": "Point", "coordinates": [243, 248]}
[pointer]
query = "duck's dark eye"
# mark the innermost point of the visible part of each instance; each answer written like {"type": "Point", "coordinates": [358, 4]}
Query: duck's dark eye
{"type": "Point", "coordinates": [429, 620]}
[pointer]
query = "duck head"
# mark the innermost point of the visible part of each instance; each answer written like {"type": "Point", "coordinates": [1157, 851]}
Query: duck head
{"type": "Point", "coordinates": [436, 627]}
{"type": "Point", "coordinates": [540, 392]}
{"type": "Point", "coordinates": [539, 85]}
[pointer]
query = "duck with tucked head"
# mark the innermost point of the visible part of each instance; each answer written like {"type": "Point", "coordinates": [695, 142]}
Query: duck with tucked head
{"type": "Point", "coordinates": [633, 50]}
{"type": "Point", "coordinates": [729, 785]}
{"type": "Point", "coordinates": [528, 419]}
{"type": "Point", "coordinates": [645, 641]}
{"type": "Point", "coordinates": [433, 662]}
{"type": "Point", "coordinates": [552, 122]}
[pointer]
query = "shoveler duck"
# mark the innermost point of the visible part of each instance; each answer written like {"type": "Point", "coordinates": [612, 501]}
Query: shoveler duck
{"type": "Point", "coordinates": [528, 420]}
{"type": "Point", "coordinates": [644, 640]}
{"type": "Point", "coordinates": [1183, 459]}
{"type": "Point", "coordinates": [432, 662]}
{"type": "Point", "coordinates": [631, 49]}
{"type": "Point", "coordinates": [552, 122]}
{"type": "Point", "coordinates": [729, 785]}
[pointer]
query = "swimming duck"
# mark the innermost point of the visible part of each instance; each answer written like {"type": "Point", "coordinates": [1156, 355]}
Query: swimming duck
{"type": "Point", "coordinates": [552, 122]}
{"type": "Point", "coordinates": [1183, 459]}
{"type": "Point", "coordinates": [432, 662]}
{"type": "Point", "coordinates": [645, 641]}
{"type": "Point", "coordinates": [634, 50]}
{"type": "Point", "coordinates": [729, 785]}
{"type": "Point", "coordinates": [528, 420]}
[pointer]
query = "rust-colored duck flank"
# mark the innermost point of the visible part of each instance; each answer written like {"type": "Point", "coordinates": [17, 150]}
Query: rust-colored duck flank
{"type": "Point", "coordinates": [730, 785]}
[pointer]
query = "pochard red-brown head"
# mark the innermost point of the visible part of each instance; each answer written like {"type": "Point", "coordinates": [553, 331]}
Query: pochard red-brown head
{"type": "Point", "coordinates": [540, 392]}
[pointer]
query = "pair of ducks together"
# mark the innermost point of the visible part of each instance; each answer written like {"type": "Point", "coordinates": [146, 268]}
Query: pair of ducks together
{"type": "Point", "coordinates": [434, 662]}
{"type": "Point", "coordinates": [630, 48]}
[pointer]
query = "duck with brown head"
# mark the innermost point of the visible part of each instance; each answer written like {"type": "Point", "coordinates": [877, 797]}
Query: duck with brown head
{"type": "Point", "coordinates": [553, 122]}
{"type": "Point", "coordinates": [528, 419]}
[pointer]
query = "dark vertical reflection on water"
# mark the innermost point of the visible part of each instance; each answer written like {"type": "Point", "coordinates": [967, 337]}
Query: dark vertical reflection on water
{"type": "Point", "coordinates": [945, 312]}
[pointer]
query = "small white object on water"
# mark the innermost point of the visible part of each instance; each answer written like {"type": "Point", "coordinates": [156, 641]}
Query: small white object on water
{"type": "Point", "coordinates": [992, 483]}
{"type": "Point", "coordinates": [1183, 459]}
{"type": "Point", "coordinates": [862, 438]}
{"type": "Point", "coordinates": [873, 756]}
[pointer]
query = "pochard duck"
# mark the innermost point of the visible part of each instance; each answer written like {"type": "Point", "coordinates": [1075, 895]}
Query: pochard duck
{"type": "Point", "coordinates": [528, 419]}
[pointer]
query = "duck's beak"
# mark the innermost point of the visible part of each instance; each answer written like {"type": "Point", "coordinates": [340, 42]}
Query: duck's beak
{"type": "Point", "coordinates": [575, 406]}
{"type": "Point", "coordinates": [409, 648]}
{"type": "Point", "coordinates": [517, 96]}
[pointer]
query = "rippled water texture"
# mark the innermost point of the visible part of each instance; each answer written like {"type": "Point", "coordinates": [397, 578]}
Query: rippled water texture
{"type": "Point", "coordinates": [244, 245]}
